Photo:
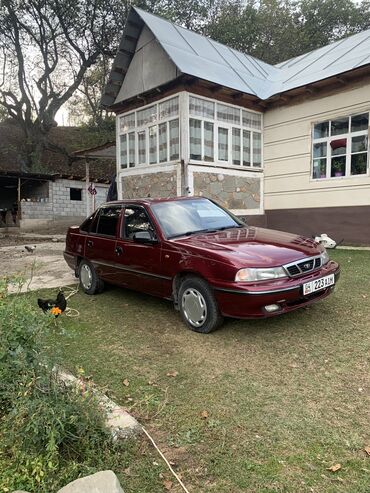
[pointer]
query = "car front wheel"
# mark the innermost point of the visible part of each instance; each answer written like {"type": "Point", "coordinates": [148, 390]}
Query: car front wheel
{"type": "Point", "coordinates": [89, 279]}
{"type": "Point", "coordinates": [198, 306]}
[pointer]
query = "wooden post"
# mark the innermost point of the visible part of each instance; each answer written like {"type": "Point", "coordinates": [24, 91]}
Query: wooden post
{"type": "Point", "coordinates": [87, 188]}
{"type": "Point", "coordinates": [19, 211]}
{"type": "Point", "coordinates": [184, 143]}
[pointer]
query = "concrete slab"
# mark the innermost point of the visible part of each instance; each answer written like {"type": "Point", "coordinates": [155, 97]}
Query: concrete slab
{"type": "Point", "coordinates": [118, 420]}
{"type": "Point", "coordinates": [100, 482]}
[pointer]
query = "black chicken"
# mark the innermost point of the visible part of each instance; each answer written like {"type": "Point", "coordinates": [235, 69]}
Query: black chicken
{"type": "Point", "coordinates": [48, 305]}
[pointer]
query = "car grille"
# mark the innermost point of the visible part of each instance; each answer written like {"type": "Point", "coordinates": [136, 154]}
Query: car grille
{"type": "Point", "coordinates": [303, 266]}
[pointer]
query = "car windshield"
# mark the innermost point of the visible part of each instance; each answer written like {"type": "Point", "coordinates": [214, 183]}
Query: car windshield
{"type": "Point", "coordinates": [187, 217]}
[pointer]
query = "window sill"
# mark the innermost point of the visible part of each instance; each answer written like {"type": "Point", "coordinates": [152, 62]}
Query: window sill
{"type": "Point", "coordinates": [221, 164]}
{"type": "Point", "coordinates": [334, 178]}
{"type": "Point", "coordinates": [149, 166]}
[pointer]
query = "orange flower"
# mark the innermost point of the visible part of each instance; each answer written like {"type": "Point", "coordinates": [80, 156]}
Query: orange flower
{"type": "Point", "coordinates": [55, 311]}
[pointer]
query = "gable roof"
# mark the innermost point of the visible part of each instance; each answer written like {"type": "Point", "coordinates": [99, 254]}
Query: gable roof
{"type": "Point", "coordinates": [199, 56]}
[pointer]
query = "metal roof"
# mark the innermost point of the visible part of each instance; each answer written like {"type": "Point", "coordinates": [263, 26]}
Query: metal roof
{"type": "Point", "coordinates": [104, 151]}
{"type": "Point", "coordinates": [201, 57]}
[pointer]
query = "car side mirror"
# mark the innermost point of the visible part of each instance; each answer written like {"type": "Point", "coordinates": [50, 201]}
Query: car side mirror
{"type": "Point", "coordinates": [144, 237]}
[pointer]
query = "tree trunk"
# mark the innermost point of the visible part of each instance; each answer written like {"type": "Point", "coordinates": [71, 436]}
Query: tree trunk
{"type": "Point", "coordinates": [36, 142]}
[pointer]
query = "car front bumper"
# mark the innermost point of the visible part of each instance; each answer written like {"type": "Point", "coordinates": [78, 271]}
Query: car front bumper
{"type": "Point", "coordinates": [242, 300]}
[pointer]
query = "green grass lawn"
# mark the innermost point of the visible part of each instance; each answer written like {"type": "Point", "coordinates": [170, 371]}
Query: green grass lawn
{"type": "Point", "coordinates": [257, 406]}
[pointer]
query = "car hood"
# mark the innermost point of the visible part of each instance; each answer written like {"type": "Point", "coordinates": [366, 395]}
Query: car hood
{"type": "Point", "coordinates": [249, 246]}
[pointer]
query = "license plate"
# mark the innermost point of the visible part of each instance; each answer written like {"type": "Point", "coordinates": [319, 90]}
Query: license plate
{"type": "Point", "coordinates": [318, 284]}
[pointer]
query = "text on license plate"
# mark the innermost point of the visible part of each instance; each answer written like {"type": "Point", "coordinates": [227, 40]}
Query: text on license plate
{"type": "Point", "coordinates": [318, 284]}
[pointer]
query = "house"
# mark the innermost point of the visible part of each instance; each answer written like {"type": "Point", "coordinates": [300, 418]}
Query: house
{"type": "Point", "coordinates": [283, 146]}
{"type": "Point", "coordinates": [58, 195]}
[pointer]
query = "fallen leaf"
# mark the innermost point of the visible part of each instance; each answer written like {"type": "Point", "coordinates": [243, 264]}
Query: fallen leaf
{"type": "Point", "coordinates": [173, 373]}
{"type": "Point", "coordinates": [367, 450]}
{"type": "Point", "coordinates": [334, 468]}
{"type": "Point", "coordinates": [168, 485]}
{"type": "Point", "coordinates": [126, 383]}
{"type": "Point", "coordinates": [204, 415]}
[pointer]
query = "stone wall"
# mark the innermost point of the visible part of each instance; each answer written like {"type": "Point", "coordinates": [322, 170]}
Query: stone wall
{"type": "Point", "coordinates": [231, 191]}
{"type": "Point", "coordinates": [158, 184]}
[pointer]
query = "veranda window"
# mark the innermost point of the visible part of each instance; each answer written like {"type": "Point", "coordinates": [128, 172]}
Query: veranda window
{"type": "Point", "coordinates": [224, 134]}
{"type": "Point", "coordinates": [150, 135]}
{"type": "Point", "coordinates": [340, 147]}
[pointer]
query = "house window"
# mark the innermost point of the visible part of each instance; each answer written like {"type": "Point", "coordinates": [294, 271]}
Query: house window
{"type": "Point", "coordinates": [340, 147]}
{"type": "Point", "coordinates": [223, 144]}
{"type": "Point", "coordinates": [75, 194]}
{"type": "Point", "coordinates": [141, 143]}
{"type": "Point", "coordinates": [195, 127]}
{"type": "Point", "coordinates": [174, 133]}
{"type": "Point", "coordinates": [224, 134]}
{"type": "Point", "coordinates": [150, 135]}
{"type": "Point", "coordinates": [123, 150]}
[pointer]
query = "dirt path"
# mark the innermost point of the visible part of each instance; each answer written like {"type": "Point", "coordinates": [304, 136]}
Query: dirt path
{"type": "Point", "coordinates": [45, 267]}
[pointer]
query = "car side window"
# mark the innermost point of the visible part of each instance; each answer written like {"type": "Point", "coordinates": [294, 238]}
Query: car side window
{"type": "Point", "coordinates": [136, 220]}
{"type": "Point", "coordinates": [105, 221]}
{"type": "Point", "coordinates": [87, 224]}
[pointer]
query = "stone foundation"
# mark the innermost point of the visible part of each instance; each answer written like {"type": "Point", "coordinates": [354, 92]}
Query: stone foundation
{"type": "Point", "coordinates": [160, 184]}
{"type": "Point", "coordinates": [231, 191]}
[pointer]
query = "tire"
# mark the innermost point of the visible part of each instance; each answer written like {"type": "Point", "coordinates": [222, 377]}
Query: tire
{"type": "Point", "coordinates": [198, 306]}
{"type": "Point", "coordinates": [89, 280]}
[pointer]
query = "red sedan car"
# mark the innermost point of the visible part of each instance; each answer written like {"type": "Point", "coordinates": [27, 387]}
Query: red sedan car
{"type": "Point", "coordinates": [197, 254]}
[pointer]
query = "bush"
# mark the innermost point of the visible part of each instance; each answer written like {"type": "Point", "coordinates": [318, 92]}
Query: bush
{"type": "Point", "coordinates": [49, 433]}
{"type": "Point", "coordinates": [20, 354]}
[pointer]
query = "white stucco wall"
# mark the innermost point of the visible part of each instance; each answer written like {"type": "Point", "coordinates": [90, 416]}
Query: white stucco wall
{"type": "Point", "coordinates": [287, 153]}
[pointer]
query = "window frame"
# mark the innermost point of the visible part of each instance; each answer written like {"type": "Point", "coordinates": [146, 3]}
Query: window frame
{"type": "Point", "coordinates": [348, 136]}
{"type": "Point", "coordinates": [73, 190]}
{"type": "Point", "coordinates": [97, 213]}
{"type": "Point", "coordinates": [145, 128]}
{"type": "Point", "coordinates": [121, 235]}
{"type": "Point", "coordinates": [219, 123]}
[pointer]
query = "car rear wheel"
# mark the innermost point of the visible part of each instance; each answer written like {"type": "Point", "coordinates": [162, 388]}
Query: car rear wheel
{"type": "Point", "coordinates": [89, 279]}
{"type": "Point", "coordinates": [198, 306]}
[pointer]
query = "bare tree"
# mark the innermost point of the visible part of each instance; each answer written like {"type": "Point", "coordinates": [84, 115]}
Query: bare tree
{"type": "Point", "coordinates": [84, 107]}
{"type": "Point", "coordinates": [46, 48]}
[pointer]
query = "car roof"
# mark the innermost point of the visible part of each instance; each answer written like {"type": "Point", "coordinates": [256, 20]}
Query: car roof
{"type": "Point", "coordinates": [151, 200]}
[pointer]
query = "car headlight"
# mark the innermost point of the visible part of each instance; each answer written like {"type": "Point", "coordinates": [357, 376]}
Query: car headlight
{"type": "Point", "coordinates": [247, 275]}
{"type": "Point", "coordinates": [324, 257]}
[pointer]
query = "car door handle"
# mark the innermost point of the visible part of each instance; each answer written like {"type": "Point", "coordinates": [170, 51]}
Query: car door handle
{"type": "Point", "coordinates": [90, 243]}
{"type": "Point", "coordinates": [119, 250]}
